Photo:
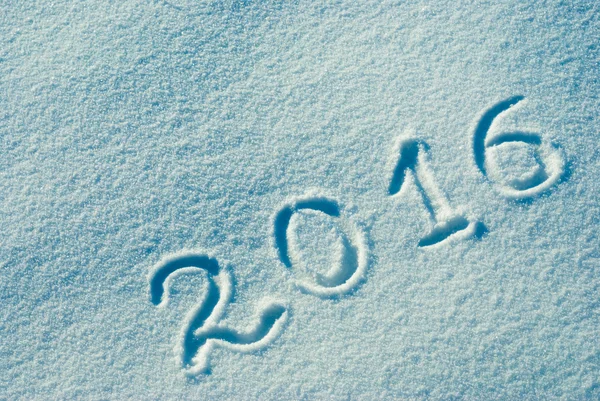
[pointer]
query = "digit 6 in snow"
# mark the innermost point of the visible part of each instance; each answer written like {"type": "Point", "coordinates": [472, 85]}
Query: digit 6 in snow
{"type": "Point", "coordinates": [541, 164]}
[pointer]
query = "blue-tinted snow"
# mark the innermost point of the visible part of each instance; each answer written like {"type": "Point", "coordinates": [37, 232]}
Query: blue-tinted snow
{"type": "Point", "coordinates": [132, 132]}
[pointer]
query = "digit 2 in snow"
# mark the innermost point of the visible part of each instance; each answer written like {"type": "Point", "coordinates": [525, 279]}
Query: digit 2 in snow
{"type": "Point", "coordinates": [202, 329]}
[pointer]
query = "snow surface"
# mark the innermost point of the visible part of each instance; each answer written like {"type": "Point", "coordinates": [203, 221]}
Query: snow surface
{"type": "Point", "coordinates": [299, 200]}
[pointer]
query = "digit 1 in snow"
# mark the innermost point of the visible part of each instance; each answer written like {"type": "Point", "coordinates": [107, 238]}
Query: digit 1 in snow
{"type": "Point", "coordinates": [446, 221]}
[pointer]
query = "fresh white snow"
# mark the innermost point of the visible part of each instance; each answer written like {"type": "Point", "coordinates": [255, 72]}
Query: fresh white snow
{"type": "Point", "coordinates": [347, 200]}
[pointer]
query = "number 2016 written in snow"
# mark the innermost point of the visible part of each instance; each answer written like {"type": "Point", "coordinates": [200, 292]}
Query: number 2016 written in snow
{"type": "Point", "coordinates": [203, 329]}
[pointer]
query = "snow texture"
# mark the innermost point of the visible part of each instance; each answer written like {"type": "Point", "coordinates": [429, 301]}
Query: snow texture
{"type": "Point", "coordinates": [303, 200]}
